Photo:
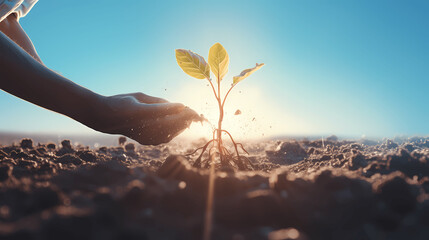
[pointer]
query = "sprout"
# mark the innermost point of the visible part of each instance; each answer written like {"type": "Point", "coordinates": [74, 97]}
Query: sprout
{"type": "Point", "coordinates": [197, 67]}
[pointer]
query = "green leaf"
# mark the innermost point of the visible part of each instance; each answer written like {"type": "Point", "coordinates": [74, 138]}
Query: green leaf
{"type": "Point", "coordinates": [245, 73]}
{"type": "Point", "coordinates": [218, 60]}
{"type": "Point", "coordinates": [192, 64]}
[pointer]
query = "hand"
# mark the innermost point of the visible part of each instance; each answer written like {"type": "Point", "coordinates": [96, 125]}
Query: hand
{"type": "Point", "coordinates": [146, 119]}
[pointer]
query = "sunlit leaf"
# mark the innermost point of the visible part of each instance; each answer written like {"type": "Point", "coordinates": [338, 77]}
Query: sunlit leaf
{"type": "Point", "coordinates": [192, 64]}
{"type": "Point", "coordinates": [218, 60]}
{"type": "Point", "coordinates": [245, 73]}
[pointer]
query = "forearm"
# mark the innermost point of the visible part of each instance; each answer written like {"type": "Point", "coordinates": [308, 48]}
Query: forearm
{"type": "Point", "coordinates": [22, 76]}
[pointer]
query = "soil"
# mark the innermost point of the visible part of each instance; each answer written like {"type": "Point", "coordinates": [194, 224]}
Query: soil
{"type": "Point", "coordinates": [321, 189]}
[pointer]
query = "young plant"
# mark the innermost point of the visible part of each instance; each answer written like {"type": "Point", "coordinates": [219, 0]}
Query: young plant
{"type": "Point", "coordinates": [197, 67]}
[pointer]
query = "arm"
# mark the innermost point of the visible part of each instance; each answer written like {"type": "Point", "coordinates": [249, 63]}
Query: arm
{"type": "Point", "coordinates": [146, 119]}
{"type": "Point", "coordinates": [21, 75]}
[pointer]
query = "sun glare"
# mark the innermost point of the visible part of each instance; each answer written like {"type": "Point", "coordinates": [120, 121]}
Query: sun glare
{"type": "Point", "coordinates": [249, 114]}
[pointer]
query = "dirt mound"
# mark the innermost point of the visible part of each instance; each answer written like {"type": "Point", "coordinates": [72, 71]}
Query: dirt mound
{"type": "Point", "coordinates": [326, 189]}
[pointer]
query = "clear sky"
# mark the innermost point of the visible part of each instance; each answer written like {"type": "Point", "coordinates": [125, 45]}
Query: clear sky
{"type": "Point", "coordinates": [349, 68]}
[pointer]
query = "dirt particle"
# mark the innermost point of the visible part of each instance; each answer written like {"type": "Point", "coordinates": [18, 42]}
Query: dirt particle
{"type": "Point", "coordinates": [122, 140]}
{"type": "Point", "coordinates": [26, 143]}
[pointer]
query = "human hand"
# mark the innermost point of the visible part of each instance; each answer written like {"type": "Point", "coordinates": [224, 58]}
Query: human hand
{"type": "Point", "coordinates": [146, 119]}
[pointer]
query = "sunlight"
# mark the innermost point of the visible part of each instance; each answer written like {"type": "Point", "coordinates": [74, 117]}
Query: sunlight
{"type": "Point", "coordinates": [259, 117]}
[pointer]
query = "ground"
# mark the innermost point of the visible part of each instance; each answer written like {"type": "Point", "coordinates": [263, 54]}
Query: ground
{"type": "Point", "coordinates": [320, 189]}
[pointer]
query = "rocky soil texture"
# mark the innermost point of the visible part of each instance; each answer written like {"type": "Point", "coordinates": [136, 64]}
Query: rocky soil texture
{"type": "Point", "coordinates": [297, 190]}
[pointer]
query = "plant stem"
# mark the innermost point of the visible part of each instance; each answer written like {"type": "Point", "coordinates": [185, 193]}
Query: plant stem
{"type": "Point", "coordinates": [224, 99]}
{"type": "Point", "coordinates": [219, 129]}
{"type": "Point", "coordinates": [214, 91]}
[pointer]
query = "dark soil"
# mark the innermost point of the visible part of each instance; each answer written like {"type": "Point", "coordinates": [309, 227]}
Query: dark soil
{"type": "Point", "coordinates": [298, 190]}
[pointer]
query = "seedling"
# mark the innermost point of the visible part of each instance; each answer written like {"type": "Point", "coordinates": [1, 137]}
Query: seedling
{"type": "Point", "coordinates": [197, 67]}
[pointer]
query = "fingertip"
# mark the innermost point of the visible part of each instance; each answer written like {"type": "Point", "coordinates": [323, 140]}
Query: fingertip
{"type": "Point", "coordinates": [194, 116]}
{"type": "Point", "coordinates": [188, 116]}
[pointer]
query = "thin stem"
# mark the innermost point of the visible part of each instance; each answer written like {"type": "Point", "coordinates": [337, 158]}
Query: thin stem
{"type": "Point", "coordinates": [219, 133]}
{"type": "Point", "coordinates": [213, 142]}
{"type": "Point", "coordinates": [224, 99]}
{"type": "Point", "coordinates": [214, 132]}
{"type": "Point", "coordinates": [214, 91]}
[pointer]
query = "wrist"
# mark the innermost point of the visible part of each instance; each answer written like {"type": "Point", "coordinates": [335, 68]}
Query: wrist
{"type": "Point", "coordinates": [91, 110]}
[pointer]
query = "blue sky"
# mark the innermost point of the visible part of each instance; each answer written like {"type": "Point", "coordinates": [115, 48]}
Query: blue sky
{"type": "Point", "coordinates": [349, 68]}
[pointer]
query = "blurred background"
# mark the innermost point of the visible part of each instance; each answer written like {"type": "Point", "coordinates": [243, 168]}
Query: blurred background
{"type": "Point", "coordinates": [350, 68]}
